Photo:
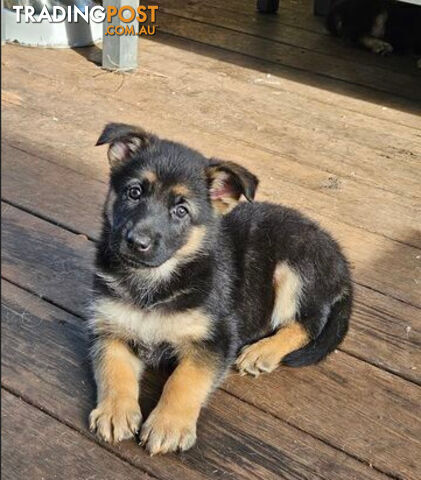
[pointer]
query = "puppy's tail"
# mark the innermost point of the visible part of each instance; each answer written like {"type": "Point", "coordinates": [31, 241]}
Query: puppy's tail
{"type": "Point", "coordinates": [329, 338]}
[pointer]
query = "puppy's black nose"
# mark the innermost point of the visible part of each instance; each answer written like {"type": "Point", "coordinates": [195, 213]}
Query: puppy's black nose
{"type": "Point", "coordinates": [139, 241]}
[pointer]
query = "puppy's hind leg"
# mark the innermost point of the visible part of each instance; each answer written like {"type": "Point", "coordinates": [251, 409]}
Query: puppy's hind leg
{"type": "Point", "coordinates": [266, 354]}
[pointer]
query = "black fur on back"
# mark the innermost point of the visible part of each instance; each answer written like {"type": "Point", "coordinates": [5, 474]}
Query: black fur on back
{"type": "Point", "coordinates": [265, 234]}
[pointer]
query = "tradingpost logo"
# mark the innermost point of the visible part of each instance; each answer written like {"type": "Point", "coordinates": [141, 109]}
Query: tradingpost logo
{"type": "Point", "coordinates": [142, 19]}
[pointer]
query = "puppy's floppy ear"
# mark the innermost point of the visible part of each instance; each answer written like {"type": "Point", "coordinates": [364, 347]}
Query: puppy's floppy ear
{"type": "Point", "coordinates": [125, 141]}
{"type": "Point", "coordinates": [227, 182]}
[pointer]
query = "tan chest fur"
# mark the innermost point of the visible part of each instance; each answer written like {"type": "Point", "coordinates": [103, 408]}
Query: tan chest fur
{"type": "Point", "coordinates": [148, 327]}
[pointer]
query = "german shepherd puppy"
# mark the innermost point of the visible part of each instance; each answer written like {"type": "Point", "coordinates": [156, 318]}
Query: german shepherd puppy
{"type": "Point", "coordinates": [187, 274]}
{"type": "Point", "coordinates": [382, 26]}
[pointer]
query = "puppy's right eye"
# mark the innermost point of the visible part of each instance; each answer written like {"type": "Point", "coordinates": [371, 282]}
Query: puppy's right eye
{"type": "Point", "coordinates": [180, 211]}
{"type": "Point", "coordinates": [135, 192]}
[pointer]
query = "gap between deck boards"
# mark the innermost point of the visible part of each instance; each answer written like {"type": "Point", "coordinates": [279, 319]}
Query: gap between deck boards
{"type": "Point", "coordinates": [317, 40]}
{"type": "Point", "coordinates": [88, 438]}
{"type": "Point", "coordinates": [381, 225]}
{"type": "Point", "coordinates": [199, 57]}
{"type": "Point", "coordinates": [109, 449]}
{"type": "Point", "coordinates": [235, 41]}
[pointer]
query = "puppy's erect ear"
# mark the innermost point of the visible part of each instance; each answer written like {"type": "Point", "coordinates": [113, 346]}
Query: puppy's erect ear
{"type": "Point", "coordinates": [227, 182]}
{"type": "Point", "coordinates": [125, 141]}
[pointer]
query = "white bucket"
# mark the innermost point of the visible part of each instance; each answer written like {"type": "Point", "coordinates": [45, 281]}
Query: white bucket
{"type": "Point", "coordinates": [54, 35]}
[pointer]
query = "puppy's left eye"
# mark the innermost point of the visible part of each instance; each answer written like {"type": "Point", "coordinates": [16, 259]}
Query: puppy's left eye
{"type": "Point", "coordinates": [180, 211]}
{"type": "Point", "coordinates": [135, 192]}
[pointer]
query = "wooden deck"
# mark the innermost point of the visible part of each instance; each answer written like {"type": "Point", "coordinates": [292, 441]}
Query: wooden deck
{"type": "Point", "coordinates": [331, 130]}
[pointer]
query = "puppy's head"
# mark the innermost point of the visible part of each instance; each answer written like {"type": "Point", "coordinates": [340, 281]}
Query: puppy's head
{"type": "Point", "coordinates": [164, 198]}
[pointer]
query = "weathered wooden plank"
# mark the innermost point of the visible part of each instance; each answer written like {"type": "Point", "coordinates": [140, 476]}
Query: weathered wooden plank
{"type": "Point", "coordinates": [373, 414]}
{"type": "Point", "coordinates": [42, 184]}
{"type": "Point", "coordinates": [44, 359]}
{"type": "Point", "coordinates": [351, 146]}
{"type": "Point", "coordinates": [290, 182]}
{"type": "Point", "coordinates": [346, 96]}
{"type": "Point", "coordinates": [338, 177]}
{"type": "Point", "coordinates": [56, 264]}
{"type": "Point", "coordinates": [302, 6]}
{"type": "Point", "coordinates": [291, 56]}
{"type": "Point", "coordinates": [49, 260]}
{"type": "Point", "coordinates": [386, 332]}
{"type": "Point", "coordinates": [77, 204]}
{"type": "Point", "coordinates": [277, 30]}
{"type": "Point", "coordinates": [323, 90]}
{"type": "Point", "coordinates": [342, 389]}
{"type": "Point", "coordinates": [36, 446]}
{"type": "Point", "coordinates": [298, 14]}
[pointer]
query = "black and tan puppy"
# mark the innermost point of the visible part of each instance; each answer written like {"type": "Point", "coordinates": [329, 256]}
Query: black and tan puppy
{"type": "Point", "coordinates": [186, 274]}
{"type": "Point", "coordinates": [382, 26]}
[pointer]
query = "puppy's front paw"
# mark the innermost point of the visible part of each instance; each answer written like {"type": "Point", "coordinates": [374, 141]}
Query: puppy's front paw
{"type": "Point", "coordinates": [258, 358]}
{"type": "Point", "coordinates": [381, 47]}
{"type": "Point", "coordinates": [116, 420]}
{"type": "Point", "coordinates": [166, 431]}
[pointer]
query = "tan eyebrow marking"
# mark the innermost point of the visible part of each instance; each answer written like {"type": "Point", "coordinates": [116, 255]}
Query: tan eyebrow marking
{"type": "Point", "coordinates": [180, 189]}
{"type": "Point", "coordinates": [150, 176]}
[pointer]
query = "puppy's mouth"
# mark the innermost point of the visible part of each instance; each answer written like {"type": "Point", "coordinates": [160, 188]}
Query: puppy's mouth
{"type": "Point", "coordinates": [133, 262]}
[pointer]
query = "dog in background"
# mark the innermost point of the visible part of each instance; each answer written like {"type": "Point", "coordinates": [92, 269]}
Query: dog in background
{"type": "Point", "coordinates": [382, 26]}
{"type": "Point", "coordinates": [187, 275]}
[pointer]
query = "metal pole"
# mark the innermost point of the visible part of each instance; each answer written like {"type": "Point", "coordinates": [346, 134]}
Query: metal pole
{"type": "Point", "coordinates": [119, 52]}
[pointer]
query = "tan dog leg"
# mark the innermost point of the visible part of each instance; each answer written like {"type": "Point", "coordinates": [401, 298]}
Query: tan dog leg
{"type": "Point", "coordinates": [117, 373]}
{"type": "Point", "coordinates": [266, 354]}
{"type": "Point", "coordinates": [172, 424]}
